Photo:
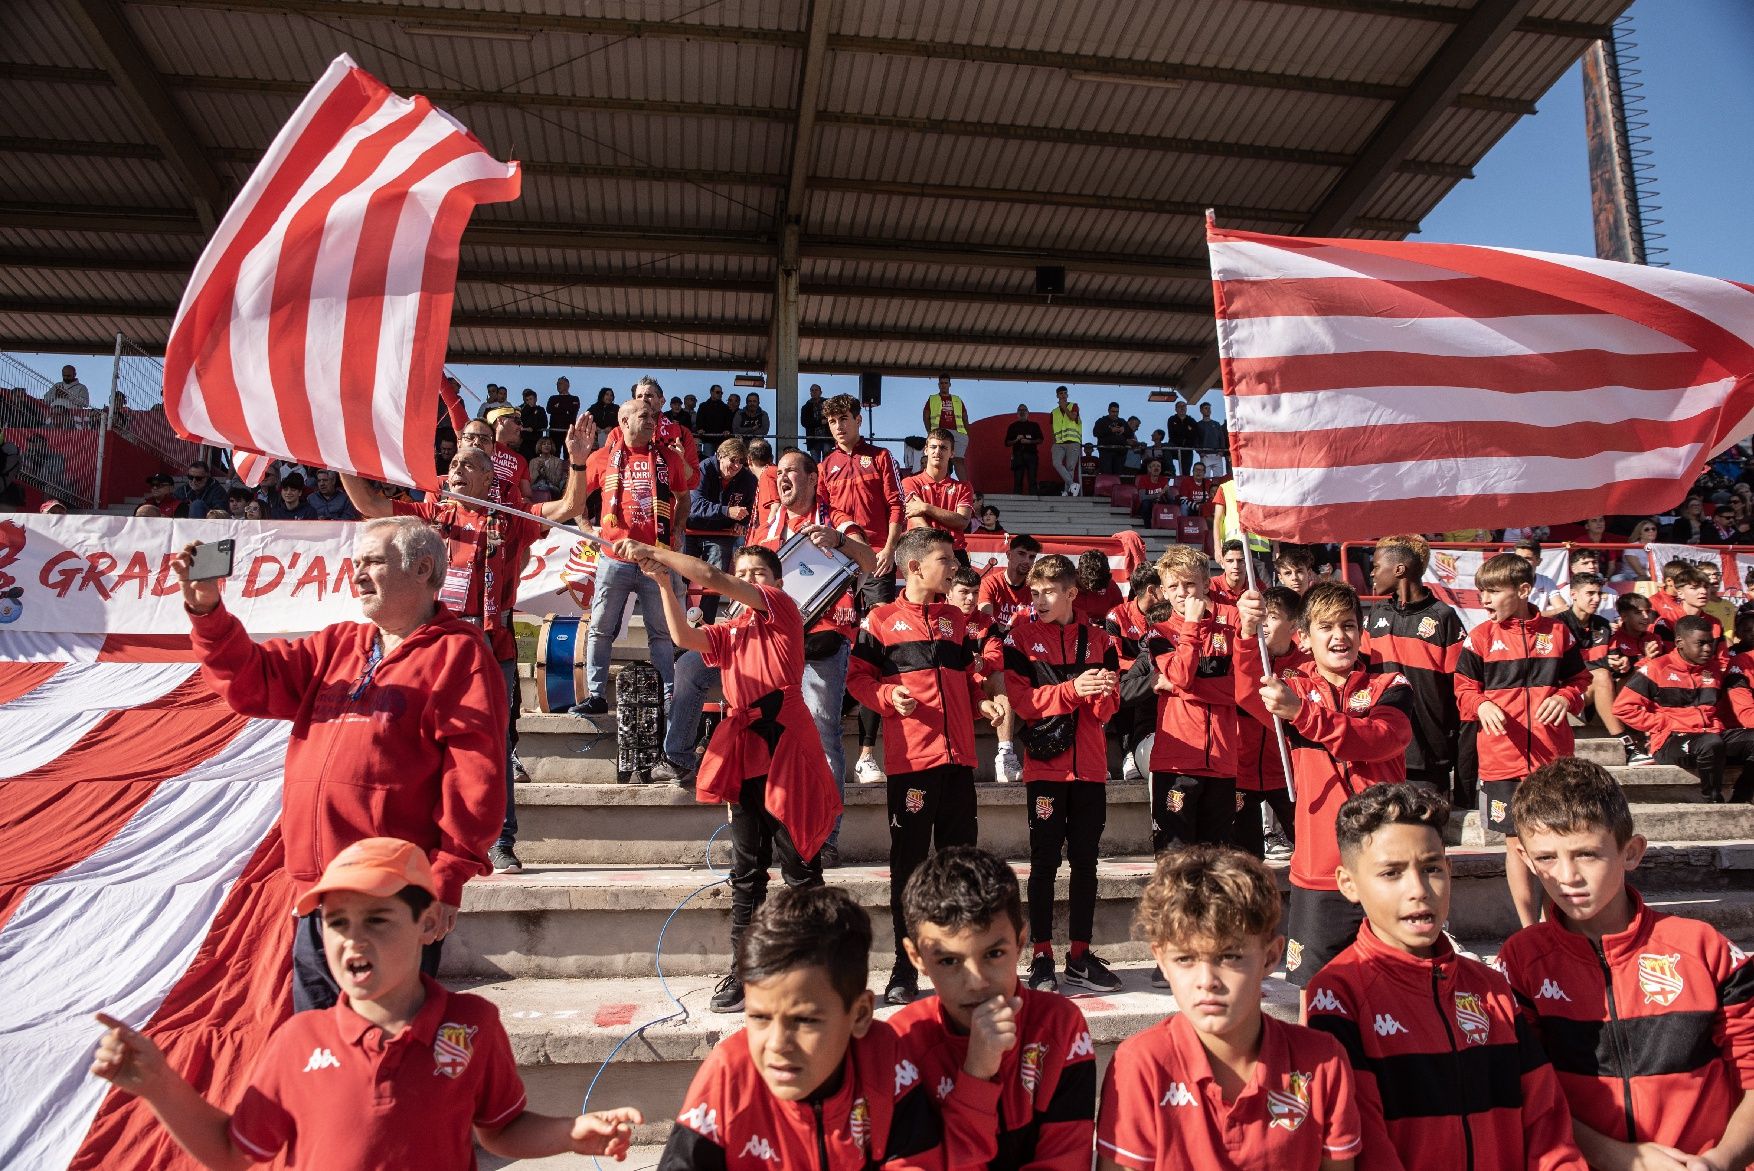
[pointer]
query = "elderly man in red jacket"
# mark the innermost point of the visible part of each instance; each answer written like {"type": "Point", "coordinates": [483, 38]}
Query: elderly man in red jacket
{"type": "Point", "coordinates": [398, 726]}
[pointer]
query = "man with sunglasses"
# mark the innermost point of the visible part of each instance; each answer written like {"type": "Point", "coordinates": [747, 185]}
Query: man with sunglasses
{"type": "Point", "coordinates": [200, 490]}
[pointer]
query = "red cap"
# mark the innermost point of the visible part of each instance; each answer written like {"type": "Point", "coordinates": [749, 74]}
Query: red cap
{"type": "Point", "coordinates": [372, 866]}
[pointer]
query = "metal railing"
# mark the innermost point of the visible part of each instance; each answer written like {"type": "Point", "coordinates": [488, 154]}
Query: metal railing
{"type": "Point", "coordinates": [57, 444]}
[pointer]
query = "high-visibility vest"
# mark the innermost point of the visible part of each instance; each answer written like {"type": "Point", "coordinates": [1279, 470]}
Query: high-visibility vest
{"type": "Point", "coordinates": [958, 412]}
{"type": "Point", "coordinates": [1232, 528]}
{"type": "Point", "coordinates": [1066, 428]}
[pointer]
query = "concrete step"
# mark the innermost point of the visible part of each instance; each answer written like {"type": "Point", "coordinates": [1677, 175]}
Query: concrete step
{"type": "Point", "coordinates": [1672, 818]}
{"type": "Point", "coordinates": [603, 921]}
{"type": "Point", "coordinates": [563, 1030]}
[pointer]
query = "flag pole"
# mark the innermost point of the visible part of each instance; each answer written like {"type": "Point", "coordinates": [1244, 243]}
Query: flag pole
{"type": "Point", "coordinates": [495, 506]}
{"type": "Point", "coordinates": [1248, 562]}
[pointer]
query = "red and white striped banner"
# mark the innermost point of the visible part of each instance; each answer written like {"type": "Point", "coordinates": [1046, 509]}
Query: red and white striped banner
{"type": "Point", "coordinates": [314, 326]}
{"type": "Point", "coordinates": [140, 874]}
{"type": "Point", "coordinates": [1381, 387]}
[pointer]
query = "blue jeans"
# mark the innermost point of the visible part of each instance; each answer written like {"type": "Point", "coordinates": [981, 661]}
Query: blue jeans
{"type": "Point", "coordinates": [508, 832]}
{"type": "Point", "coordinates": [825, 686]}
{"type": "Point", "coordinates": [718, 552]}
{"type": "Point", "coordinates": [615, 581]}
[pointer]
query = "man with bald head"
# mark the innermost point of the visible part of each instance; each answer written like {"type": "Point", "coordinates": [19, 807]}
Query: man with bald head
{"type": "Point", "coordinates": [635, 484]}
{"type": "Point", "coordinates": [487, 551]}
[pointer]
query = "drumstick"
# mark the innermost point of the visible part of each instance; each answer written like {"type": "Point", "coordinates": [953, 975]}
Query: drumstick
{"type": "Point", "coordinates": [588, 538]}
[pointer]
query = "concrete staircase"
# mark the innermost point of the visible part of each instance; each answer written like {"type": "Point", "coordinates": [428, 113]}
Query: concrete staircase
{"type": "Point", "coordinates": [1073, 516]}
{"type": "Point", "coordinates": [569, 949]}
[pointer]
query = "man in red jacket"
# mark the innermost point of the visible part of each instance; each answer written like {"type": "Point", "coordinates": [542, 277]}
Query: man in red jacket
{"type": "Point", "coordinates": [398, 726]}
{"type": "Point", "coordinates": [1061, 670]}
{"type": "Point", "coordinates": [916, 666]}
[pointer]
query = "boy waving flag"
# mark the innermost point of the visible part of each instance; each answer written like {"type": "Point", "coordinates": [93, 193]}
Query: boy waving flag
{"type": "Point", "coordinates": [1378, 387]}
{"type": "Point", "coordinates": [314, 324]}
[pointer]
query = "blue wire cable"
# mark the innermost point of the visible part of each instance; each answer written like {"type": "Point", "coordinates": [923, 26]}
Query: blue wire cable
{"type": "Point", "coordinates": [658, 962]}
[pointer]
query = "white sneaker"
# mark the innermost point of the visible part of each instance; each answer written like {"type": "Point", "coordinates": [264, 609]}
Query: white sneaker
{"type": "Point", "coordinates": [1006, 766]}
{"type": "Point", "coordinates": [1130, 770]}
{"type": "Point", "coordinates": [868, 771]}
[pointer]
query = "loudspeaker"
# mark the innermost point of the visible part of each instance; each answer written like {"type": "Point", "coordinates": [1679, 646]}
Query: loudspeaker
{"type": "Point", "coordinates": [871, 390]}
{"type": "Point", "coordinates": [1050, 281]}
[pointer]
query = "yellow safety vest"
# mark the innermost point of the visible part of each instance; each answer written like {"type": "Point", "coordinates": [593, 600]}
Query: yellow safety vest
{"type": "Point", "coordinates": [935, 405]}
{"type": "Point", "coordinates": [1066, 428]}
{"type": "Point", "coordinates": [1233, 522]}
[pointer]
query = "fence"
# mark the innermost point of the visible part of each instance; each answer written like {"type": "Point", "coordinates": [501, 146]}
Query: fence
{"type": "Point", "coordinates": [57, 441]}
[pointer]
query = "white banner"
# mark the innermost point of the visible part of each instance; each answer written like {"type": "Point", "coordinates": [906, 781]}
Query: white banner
{"type": "Point", "coordinates": [72, 575]}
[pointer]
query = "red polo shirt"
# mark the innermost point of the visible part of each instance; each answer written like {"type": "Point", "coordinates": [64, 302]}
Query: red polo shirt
{"type": "Point", "coordinates": [1161, 1107]}
{"type": "Point", "coordinates": [1007, 601]}
{"type": "Point", "coordinates": [334, 1093]}
{"type": "Point", "coordinates": [949, 494]}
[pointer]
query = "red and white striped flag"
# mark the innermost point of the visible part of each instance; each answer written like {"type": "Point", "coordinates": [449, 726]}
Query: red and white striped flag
{"type": "Point", "coordinates": [315, 324]}
{"type": "Point", "coordinates": [1380, 387]}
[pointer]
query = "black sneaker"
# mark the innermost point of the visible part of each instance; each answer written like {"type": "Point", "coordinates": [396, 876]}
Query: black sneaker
{"type": "Point", "coordinates": [830, 856]}
{"type": "Point", "coordinates": [591, 705]}
{"type": "Point", "coordinates": [503, 860]}
{"type": "Point", "coordinates": [903, 986]}
{"type": "Point", "coordinates": [1158, 979]}
{"type": "Point", "coordinates": [727, 995]}
{"type": "Point", "coordinates": [1088, 971]}
{"type": "Point", "coordinates": [1041, 974]}
{"type": "Point", "coordinates": [668, 772]}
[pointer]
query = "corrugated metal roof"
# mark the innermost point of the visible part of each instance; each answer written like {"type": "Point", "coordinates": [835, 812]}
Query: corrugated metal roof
{"type": "Point", "coordinates": [957, 144]}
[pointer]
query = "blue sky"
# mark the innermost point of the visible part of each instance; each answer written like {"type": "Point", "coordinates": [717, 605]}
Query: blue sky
{"type": "Point", "coordinates": [1531, 191]}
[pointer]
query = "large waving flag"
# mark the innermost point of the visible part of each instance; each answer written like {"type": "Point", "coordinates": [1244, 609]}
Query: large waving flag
{"type": "Point", "coordinates": [314, 326]}
{"type": "Point", "coordinates": [140, 873]}
{"type": "Point", "coordinates": [1381, 387]}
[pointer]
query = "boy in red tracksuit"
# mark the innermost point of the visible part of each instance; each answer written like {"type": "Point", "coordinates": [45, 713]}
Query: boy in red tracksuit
{"type": "Point", "coordinates": [813, 1079]}
{"type": "Point", "coordinates": [1520, 676]}
{"type": "Point", "coordinates": [1450, 1074]}
{"type": "Point", "coordinates": [1059, 668]}
{"type": "Point", "coordinates": [1220, 1084]}
{"type": "Point", "coordinates": [1260, 771]}
{"type": "Point", "coordinates": [1186, 663]}
{"type": "Point", "coordinates": [1692, 590]}
{"type": "Point", "coordinates": [1128, 624]}
{"type": "Point", "coordinates": [965, 589]}
{"type": "Point", "coordinates": [1347, 729]}
{"type": "Point", "coordinates": [1647, 1017]}
{"type": "Point", "coordinates": [915, 665]}
{"type": "Point", "coordinates": [1013, 1070]}
{"type": "Point", "coordinates": [1675, 700]}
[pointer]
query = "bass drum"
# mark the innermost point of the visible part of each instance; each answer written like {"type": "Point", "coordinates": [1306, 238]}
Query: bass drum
{"type": "Point", "coordinates": [560, 662]}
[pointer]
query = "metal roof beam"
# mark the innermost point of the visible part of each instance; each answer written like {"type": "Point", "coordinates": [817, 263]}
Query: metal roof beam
{"type": "Point", "coordinates": [104, 27]}
{"type": "Point", "coordinates": [429, 17]}
{"type": "Point", "coordinates": [453, 99]}
{"type": "Point", "coordinates": [1095, 201]}
{"type": "Point", "coordinates": [1488, 23]}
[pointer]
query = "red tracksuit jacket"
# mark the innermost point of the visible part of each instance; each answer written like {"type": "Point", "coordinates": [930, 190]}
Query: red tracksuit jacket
{"type": "Point", "coordinates": [881, 1116]}
{"type": "Point", "coordinates": [1738, 690]}
{"type": "Point", "coordinates": [1196, 718]}
{"type": "Point", "coordinates": [416, 751]}
{"type": "Point", "coordinates": [1422, 641]}
{"type": "Point", "coordinates": [1039, 1112]}
{"type": "Point", "coordinates": [1450, 1074]}
{"type": "Point", "coordinates": [1031, 642]}
{"type": "Point", "coordinates": [1343, 740]}
{"type": "Point", "coordinates": [1517, 665]}
{"type": "Point", "coordinates": [864, 484]}
{"type": "Point", "coordinates": [1258, 767]}
{"type": "Point", "coordinates": [1668, 696]}
{"type": "Point", "coordinates": [1128, 627]}
{"type": "Point", "coordinates": [1651, 1032]}
{"type": "Point", "coordinates": [926, 648]}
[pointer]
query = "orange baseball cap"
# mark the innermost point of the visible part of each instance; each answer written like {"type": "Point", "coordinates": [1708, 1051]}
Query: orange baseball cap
{"type": "Point", "coordinates": [373, 866]}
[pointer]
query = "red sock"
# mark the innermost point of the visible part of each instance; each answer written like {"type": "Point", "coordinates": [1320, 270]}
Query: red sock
{"type": "Point", "coordinates": [1077, 950]}
{"type": "Point", "coordinates": [1045, 949]}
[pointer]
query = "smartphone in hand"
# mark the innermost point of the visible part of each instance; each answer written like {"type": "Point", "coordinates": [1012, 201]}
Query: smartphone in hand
{"type": "Point", "coordinates": [212, 559]}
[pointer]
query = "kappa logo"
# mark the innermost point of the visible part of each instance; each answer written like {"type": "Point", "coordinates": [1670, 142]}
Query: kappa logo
{"type": "Point", "coordinates": [1381, 621]}
{"type": "Point", "coordinates": [1674, 678]}
{"type": "Point", "coordinates": [761, 1149]}
{"type": "Point", "coordinates": [1037, 649]}
{"type": "Point", "coordinates": [1178, 1094]}
{"type": "Point", "coordinates": [452, 1048]}
{"type": "Point", "coordinates": [1289, 1107]}
{"type": "Point", "coordinates": [901, 627]}
{"type": "Point", "coordinates": [321, 1059]}
{"type": "Point", "coordinates": [945, 1085]}
{"type": "Point", "coordinates": [1082, 1047]}
{"type": "Point", "coordinates": [1035, 1055]}
{"type": "Point", "coordinates": [906, 1074]}
{"type": "Point", "coordinates": [1550, 990]}
{"type": "Point", "coordinates": [1659, 978]}
{"type": "Point", "coordinates": [1325, 1001]}
{"type": "Point", "coordinates": [916, 800]}
{"type": "Point", "coordinates": [1471, 1018]}
{"type": "Point", "coordinates": [702, 1120]}
{"type": "Point", "coordinates": [1388, 1026]}
{"type": "Point", "coordinates": [1737, 956]}
{"type": "Point", "coordinates": [1498, 645]}
{"type": "Point", "coordinates": [1293, 955]}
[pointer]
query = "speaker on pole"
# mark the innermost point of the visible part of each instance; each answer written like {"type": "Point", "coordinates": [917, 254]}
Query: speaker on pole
{"type": "Point", "coordinates": [871, 390]}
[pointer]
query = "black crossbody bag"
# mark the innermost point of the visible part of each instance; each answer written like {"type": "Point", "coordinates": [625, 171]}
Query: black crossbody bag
{"type": "Point", "coordinates": [1055, 735]}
